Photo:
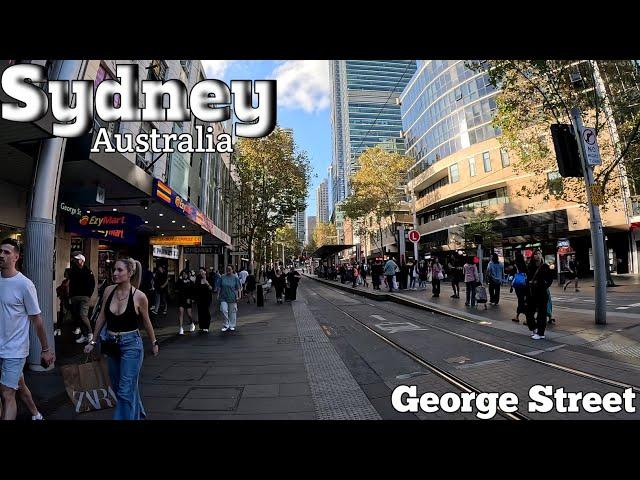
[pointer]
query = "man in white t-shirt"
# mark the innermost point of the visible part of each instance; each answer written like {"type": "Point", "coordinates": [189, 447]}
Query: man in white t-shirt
{"type": "Point", "coordinates": [242, 275]}
{"type": "Point", "coordinates": [18, 307]}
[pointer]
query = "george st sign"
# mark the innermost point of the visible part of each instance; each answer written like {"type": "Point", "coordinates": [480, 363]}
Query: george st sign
{"type": "Point", "coordinates": [591, 149]}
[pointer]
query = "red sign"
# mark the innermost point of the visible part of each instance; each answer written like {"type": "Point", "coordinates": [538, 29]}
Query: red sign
{"type": "Point", "coordinates": [414, 236]}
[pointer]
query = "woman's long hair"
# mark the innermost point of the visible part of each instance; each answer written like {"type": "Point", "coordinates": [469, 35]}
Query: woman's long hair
{"type": "Point", "coordinates": [135, 268]}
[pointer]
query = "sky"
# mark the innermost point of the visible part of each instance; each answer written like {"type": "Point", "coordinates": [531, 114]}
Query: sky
{"type": "Point", "coordinates": [303, 104]}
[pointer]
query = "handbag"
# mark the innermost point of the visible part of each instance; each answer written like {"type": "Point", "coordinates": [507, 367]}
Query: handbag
{"type": "Point", "coordinates": [110, 347]}
{"type": "Point", "coordinates": [88, 385]}
{"type": "Point", "coordinates": [440, 276]}
{"type": "Point", "coordinates": [519, 280]}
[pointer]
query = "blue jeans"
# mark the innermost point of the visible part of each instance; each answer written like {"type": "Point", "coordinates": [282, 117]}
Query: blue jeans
{"type": "Point", "coordinates": [124, 373]}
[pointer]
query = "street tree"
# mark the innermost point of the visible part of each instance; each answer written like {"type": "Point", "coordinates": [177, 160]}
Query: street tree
{"type": "Point", "coordinates": [538, 93]}
{"type": "Point", "coordinates": [481, 222]}
{"type": "Point", "coordinates": [271, 177]}
{"type": "Point", "coordinates": [287, 238]}
{"type": "Point", "coordinates": [325, 234]}
{"type": "Point", "coordinates": [377, 192]}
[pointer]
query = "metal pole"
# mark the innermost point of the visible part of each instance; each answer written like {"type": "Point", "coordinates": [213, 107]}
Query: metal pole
{"type": "Point", "coordinates": [40, 232]}
{"type": "Point", "coordinates": [597, 237]}
{"type": "Point", "coordinates": [402, 243]}
{"type": "Point", "coordinates": [480, 263]}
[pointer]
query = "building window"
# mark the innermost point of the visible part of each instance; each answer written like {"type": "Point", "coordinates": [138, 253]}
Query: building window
{"type": "Point", "coordinates": [504, 156]}
{"type": "Point", "coordinates": [144, 159]}
{"type": "Point", "coordinates": [186, 66]}
{"type": "Point", "coordinates": [486, 160]}
{"type": "Point", "coordinates": [472, 167]}
{"type": "Point", "coordinates": [157, 70]}
{"type": "Point", "coordinates": [454, 173]}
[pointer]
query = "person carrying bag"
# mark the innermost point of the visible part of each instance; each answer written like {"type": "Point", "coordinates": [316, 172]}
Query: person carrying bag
{"type": "Point", "coordinates": [88, 386]}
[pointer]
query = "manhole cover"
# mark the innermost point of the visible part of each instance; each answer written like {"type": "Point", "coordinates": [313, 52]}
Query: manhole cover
{"type": "Point", "coordinates": [211, 399]}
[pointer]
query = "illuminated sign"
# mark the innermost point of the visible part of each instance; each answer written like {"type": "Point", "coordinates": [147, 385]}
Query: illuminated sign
{"type": "Point", "coordinates": [119, 228]}
{"type": "Point", "coordinates": [189, 240]}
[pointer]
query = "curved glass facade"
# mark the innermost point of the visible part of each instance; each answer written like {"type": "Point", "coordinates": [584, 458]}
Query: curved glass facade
{"type": "Point", "coordinates": [446, 107]}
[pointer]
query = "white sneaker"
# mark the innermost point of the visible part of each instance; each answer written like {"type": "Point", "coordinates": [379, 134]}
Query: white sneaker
{"type": "Point", "coordinates": [224, 329]}
{"type": "Point", "coordinates": [193, 327]}
{"type": "Point", "coordinates": [76, 331]}
{"type": "Point", "coordinates": [181, 332]}
{"type": "Point", "coordinates": [205, 330]}
{"type": "Point", "coordinates": [58, 332]}
{"type": "Point", "coordinates": [233, 329]}
{"type": "Point", "coordinates": [81, 339]}
{"type": "Point", "coordinates": [37, 417]}
{"type": "Point", "coordinates": [537, 337]}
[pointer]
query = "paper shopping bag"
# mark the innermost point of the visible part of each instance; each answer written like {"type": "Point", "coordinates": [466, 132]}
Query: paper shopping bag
{"type": "Point", "coordinates": [88, 385]}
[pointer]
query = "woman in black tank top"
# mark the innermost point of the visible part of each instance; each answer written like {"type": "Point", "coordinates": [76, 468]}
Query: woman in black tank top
{"type": "Point", "coordinates": [125, 305]}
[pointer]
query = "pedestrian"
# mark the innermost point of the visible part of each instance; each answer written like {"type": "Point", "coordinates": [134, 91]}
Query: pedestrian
{"type": "Point", "coordinates": [124, 308]}
{"type": "Point", "coordinates": [471, 280]}
{"type": "Point", "coordinates": [250, 287]}
{"type": "Point", "coordinates": [404, 275]}
{"type": "Point", "coordinates": [436, 276]}
{"type": "Point", "coordinates": [82, 283]}
{"type": "Point", "coordinates": [519, 284]}
{"type": "Point", "coordinates": [184, 293]}
{"type": "Point", "coordinates": [203, 293]}
{"type": "Point", "coordinates": [390, 270]}
{"type": "Point", "coordinates": [539, 279]}
{"type": "Point", "coordinates": [452, 268]}
{"type": "Point", "coordinates": [62, 292]}
{"type": "Point", "coordinates": [550, 308]}
{"type": "Point", "coordinates": [572, 275]}
{"type": "Point", "coordinates": [413, 275]}
{"type": "Point", "coordinates": [376, 273]}
{"type": "Point", "coordinates": [242, 276]}
{"type": "Point", "coordinates": [279, 281]}
{"type": "Point", "coordinates": [293, 277]}
{"type": "Point", "coordinates": [161, 282]}
{"type": "Point", "coordinates": [19, 309]}
{"type": "Point", "coordinates": [364, 270]}
{"type": "Point", "coordinates": [228, 296]}
{"type": "Point", "coordinates": [495, 272]}
{"type": "Point", "coordinates": [423, 274]}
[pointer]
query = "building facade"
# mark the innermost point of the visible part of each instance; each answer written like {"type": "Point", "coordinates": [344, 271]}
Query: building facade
{"type": "Point", "coordinates": [322, 202]}
{"type": "Point", "coordinates": [310, 228]}
{"type": "Point", "coordinates": [364, 113]}
{"type": "Point", "coordinates": [447, 110]}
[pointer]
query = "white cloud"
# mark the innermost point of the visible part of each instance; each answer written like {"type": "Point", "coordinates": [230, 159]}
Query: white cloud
{"type": "Point", "coordinates": [216, 68]}
{"type": "Point", "coordinates": [303, 84]}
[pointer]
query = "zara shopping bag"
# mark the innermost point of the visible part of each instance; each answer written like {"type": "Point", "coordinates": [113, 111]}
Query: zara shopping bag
{"type": "Point", "coordinates": [88, 385]}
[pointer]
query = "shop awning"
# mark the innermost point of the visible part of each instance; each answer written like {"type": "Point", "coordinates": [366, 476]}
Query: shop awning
{"type": "Point", "coordinates": [328, 250]}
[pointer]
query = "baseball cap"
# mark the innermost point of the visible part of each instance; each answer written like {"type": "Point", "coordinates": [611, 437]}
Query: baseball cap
{"type": "Point", "coordinates": [79, 256]}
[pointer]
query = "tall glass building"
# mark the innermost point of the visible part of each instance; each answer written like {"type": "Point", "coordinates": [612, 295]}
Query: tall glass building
{"type": "Point", "coordinates": [365, 113]}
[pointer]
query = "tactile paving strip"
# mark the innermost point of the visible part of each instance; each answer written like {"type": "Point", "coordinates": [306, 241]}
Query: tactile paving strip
{"type": "Point", "coordinates": [336, 394]}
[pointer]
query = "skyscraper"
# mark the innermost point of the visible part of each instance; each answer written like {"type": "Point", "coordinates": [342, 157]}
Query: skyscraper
{"type": "Point", "coordinates": [322, 202]}
{"type": "Point", "coordinates": [311, 226]}
{"type": "Point", "coordinates": [364, 113]}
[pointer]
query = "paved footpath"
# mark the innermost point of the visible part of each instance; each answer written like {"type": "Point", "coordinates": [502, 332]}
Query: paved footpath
{"type": "Point", "coordinates": [278, 364]}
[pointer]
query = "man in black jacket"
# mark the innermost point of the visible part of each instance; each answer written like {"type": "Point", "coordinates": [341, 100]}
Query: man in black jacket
{"type": "Point", "coordinates": [82, 283]}
{"type": "Point", "coordinates": [539, 279]}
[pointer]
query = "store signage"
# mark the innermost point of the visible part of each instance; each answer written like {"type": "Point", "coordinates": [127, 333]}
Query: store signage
{"type": "Point", "coordinates": [171, 198]}
{"type": "Point", "coordinates": [70, 209]}
{"type": "Point", "coordinates": [166, 252]}
{"type": "Point", "coordinates": [190, 240]}
{"type": "Point", "coordinates": [119, 228]}
{"type": "Point", "coordinates": [202, 250]}
{"type": "Point", "coordinates": [563, 242]}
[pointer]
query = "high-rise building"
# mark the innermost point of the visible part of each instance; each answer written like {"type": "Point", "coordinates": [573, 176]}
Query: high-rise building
{"type": "Point", "coordinates": [322, 202]}
{"type": "Point", "coordinates": [447, 113]}
{"type": "Point", "coordinates": [311, 226]}
{"type": "Point", "coordinates": [364, 113]}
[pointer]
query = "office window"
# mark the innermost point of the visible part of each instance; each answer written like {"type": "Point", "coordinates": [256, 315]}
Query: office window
{"type": "Point", "coordinates": [504, 156]}
{"type": "Point", "coordinates": [454, 173]}
{"type": "Point", "coordinates": [472, 167]}
{"type": "Point", "coordinates": [486, 160]}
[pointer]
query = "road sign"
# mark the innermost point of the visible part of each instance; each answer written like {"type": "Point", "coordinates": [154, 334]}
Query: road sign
{"type": "Point", "coordinates": [591, 149]}
{"type": "Point", "coordinates": [414, 236]}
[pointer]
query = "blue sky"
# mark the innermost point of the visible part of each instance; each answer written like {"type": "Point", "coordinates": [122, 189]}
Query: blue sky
{"type": "Point", "coordinates": [303, 104]}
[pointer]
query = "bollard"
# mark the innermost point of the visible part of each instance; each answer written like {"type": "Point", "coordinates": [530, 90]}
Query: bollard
{"type": "Point", "coordinates": [260, 298]}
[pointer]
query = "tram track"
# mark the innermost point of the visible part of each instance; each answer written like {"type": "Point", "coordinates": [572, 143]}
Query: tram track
{"type": "Point", "coordinates": [573, 371]}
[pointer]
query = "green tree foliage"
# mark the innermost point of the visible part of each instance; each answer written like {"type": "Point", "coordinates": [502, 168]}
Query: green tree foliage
{"type": "Point", "coordinates": [538, 93]}
{"type": "Point", "coordinates": [376, 192]}
{"type": "Point", "coordinates": [272, 178]}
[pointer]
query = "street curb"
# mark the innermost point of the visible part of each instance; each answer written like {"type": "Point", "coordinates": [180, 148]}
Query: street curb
{"type": "Point", "coordinates": [396, 299]}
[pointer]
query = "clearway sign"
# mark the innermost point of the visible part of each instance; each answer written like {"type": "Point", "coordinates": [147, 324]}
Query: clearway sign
{"type": "Point", "coordinates": [591, 146]}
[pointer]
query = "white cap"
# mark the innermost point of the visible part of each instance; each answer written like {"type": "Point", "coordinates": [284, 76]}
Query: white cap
{"type": "Point", "coordinates": [80, 257]}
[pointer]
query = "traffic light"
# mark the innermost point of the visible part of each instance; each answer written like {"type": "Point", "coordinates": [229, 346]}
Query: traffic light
{"type": "Point", "coordinates": [477, 239]}
{"type": "Point", "coordinates": [566, 147]}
